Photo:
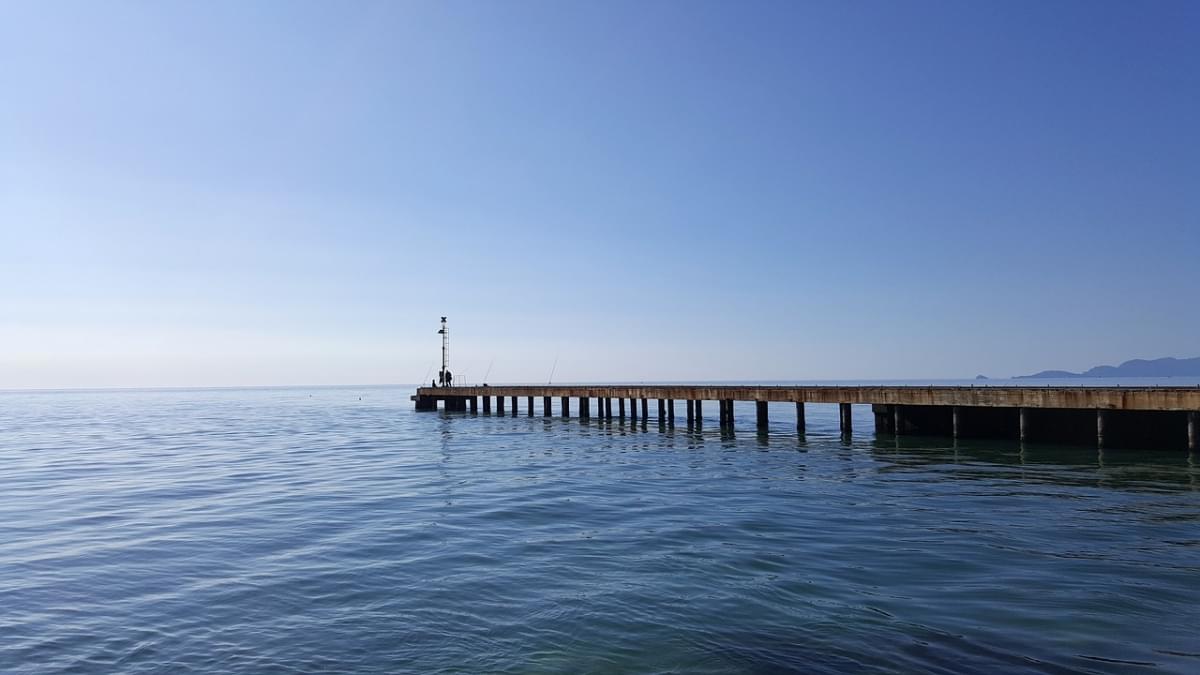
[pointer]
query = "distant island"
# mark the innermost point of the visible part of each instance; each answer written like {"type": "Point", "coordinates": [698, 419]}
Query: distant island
{"type": "Point", "coordinates": [1168, 367]}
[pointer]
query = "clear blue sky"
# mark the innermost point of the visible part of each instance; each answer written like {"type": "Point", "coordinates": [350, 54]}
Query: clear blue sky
{"type": "Point", "coordinates": [227, 193]}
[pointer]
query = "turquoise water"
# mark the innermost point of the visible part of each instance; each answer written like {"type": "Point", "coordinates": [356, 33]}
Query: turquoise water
{"type": "Point", "coordinates": [335, 530]}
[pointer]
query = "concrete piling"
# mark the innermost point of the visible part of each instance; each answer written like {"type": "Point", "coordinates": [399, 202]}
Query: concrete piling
{"type": "Point", "coordinates": [1101, 419]}
{"type": "Point", "coordinates": [529, 405]}
{"type": "Point", "coordinates": [499, 405]}
{"type": "Point", "coordinates": [699, 412]}
{"type": "Point", "coordinates": [662, 411]}
{"type": "Point", "coordinates": [671, 412]}
{"type": "Point", "coordinates": [565, 404]}
{"type": "Point", "coordinates": [607, 408]}
{"type": "Point", "coordinates": [545, 406]}
{"type": "Point", "coordinates": [487, 405]}
{"type": "Point", "coordinates": [514, 406]}
{"type": "Point", "coordinates": [645, 410]}
{"type": "Point", "coordinates": [691, 412]}
{"type": "Point", "coordinates": [585, 407]}
{"type": "Point", "coordinates": [847, 418]}
{"type": "Point", "coordinates": [1023, 424]}
{"type": "Point", "coordinates": [954, 415]}
{"type": "Point", "coordinates": [760, 408]}
{"type": "Point", "coordinates": [474, 405]}
{"type": "Point", "coordinates": [621, 407]}
{"type": "Point", "coordinates": [801, 423]}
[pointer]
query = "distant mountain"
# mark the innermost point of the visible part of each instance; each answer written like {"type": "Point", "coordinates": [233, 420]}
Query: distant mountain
{"type": "Point", "coordinates": [1168, 367]}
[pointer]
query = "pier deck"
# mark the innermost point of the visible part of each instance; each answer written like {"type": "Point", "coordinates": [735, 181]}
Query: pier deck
{"type": "Point", "coordinates": [1129, 416]}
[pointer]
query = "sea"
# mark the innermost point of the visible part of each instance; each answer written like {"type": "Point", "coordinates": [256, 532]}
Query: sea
{"type": "Point", "coordinates": [335, 530]}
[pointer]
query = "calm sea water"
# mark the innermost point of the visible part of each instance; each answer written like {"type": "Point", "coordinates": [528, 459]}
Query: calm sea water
{"type": "Point", "coordinates": [335, 530]}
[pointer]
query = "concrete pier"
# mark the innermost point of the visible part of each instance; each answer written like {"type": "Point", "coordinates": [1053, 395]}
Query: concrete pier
{"type": "Point", "coordinates": [1139, 417]}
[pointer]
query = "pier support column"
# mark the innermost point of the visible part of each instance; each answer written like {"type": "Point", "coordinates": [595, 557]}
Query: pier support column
{"type": "Point", "coordinates": [499, 405]}
{"type": "Point", "coordinates": [728, 412]}
{"type": "Point", "coordinates": [529, 405]}
{"type": "Point", "coordinates": [474, 403]}
{"type": "Point", "coordinates": [671, 412]}
{"type": "Point", "coordinates": [514, 406]}
{"type": "Point", "coordinates": [800, 421]}
{"type": "Point", "coordinates": [608, 408]}
{"type": "Point", "coordinates": [1023, 424]}
{"type": "Point", "coordinates": [847, 418]}
{"type": "Point", "coordinates": [545, 406]}
{"type": "Point", "coordinates": [897, 420]}
{"type": "Point", "coordinates": [699, 412]}
{"type": "Point", "coordinates": [645, 410]}
{"type": "Point", "coordinates": [954, 416]}
{"type": "Point", "coordinates": [662, 411]}
{"type": "Point", "coordinates": [1193, 419]}
{"type": "Point", "coordinates": [760, 407]}
{"type": "Point", "coordinates": [621, 408]}
{"type": "Point", "coordinates": [426, 403]}
{"type": "Point", "coordinates": [487, 405]}
{"type": "Point", "coordinates": [565, 404]}
{"type": "Point", "coordinates": [632, 409]}
{"type": "Point", "coordinates": [585, 407]}
{"type": "Point", "coordinates": [691, 412]}
{"type": "Point", "coordinates": [1101, 418]}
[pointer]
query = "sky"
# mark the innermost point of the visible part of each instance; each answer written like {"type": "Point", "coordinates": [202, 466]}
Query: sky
{"type": "Point", "coordinates": [239, 193]}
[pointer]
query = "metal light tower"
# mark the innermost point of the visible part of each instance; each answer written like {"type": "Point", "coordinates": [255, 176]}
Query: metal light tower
{"type": "Point", "coordinates": [445, 333]}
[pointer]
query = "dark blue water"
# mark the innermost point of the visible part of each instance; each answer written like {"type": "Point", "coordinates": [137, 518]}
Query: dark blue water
{"type": "Point", "coordinates": [335, 530]}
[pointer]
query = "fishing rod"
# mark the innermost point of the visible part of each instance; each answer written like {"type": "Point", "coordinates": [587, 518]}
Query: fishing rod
{"type": "Point", "coordinates": [552, 369]}
{"type": "Point", "coordinates": [489, 371]}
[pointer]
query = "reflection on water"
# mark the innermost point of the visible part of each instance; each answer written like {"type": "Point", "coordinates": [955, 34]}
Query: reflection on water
{"type": "Point", "coordinates": [301, 530]}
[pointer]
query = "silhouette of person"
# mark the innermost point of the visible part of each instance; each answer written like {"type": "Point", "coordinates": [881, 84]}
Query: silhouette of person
{"type": "Point", "coordinates": [441, 377]}
{"type": "Point", "coordinates": [449, 378]}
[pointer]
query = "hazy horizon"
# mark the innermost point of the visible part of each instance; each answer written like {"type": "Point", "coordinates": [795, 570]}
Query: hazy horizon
{"type": "Point", "coordinates": [286, 194]}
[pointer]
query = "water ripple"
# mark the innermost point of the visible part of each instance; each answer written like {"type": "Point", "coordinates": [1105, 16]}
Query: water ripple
{"type": "Point", "coordinates": [334, 530]}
